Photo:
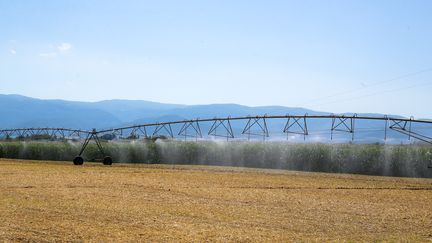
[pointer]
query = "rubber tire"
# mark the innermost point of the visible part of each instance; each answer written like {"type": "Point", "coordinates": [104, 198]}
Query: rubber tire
{"type": "Point", "coordinates": [78, 160]}
{"type": "Point", "coordinates": [107, 160]}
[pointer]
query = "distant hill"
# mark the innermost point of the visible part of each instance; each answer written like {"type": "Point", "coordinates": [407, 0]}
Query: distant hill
{"type": "Point", "coordinates": [130, 110]}
{"type": "Point", "coordinates": [20, 111]}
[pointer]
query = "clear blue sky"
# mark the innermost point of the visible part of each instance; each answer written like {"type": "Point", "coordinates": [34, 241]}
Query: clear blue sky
{"type": "Point", "coordinates": [334, 56]}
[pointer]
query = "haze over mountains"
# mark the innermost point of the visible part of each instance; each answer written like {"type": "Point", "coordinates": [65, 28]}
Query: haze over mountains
{"type": "Point", "coordinates": [20, 111]}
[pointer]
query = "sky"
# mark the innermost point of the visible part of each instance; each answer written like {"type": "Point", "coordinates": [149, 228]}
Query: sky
{"type": "Point", "coordinates": [334, 56]}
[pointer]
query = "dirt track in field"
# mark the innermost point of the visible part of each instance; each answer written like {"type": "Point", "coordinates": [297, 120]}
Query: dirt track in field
{"type": "Point", "coordinates": [52, 201]}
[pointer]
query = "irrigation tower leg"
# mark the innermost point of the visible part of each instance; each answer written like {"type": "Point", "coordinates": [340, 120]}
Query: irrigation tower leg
{"type": "Point", "coordinates": [78, 160]}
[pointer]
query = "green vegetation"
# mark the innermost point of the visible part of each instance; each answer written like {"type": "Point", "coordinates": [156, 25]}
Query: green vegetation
{"type": "Point", "coordinates": [372, 159]}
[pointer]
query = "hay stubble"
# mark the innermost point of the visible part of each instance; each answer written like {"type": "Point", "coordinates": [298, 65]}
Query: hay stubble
{"type": "Point", "coordinates": [48, 201]}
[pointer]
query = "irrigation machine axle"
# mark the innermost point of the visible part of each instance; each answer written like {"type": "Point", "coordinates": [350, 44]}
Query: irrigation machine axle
{"type": "Point", "coordinates": [106, 160]}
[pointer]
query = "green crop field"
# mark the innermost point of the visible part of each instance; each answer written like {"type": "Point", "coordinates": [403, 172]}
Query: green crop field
{"type": "Point", "coordinates": [370, 159]}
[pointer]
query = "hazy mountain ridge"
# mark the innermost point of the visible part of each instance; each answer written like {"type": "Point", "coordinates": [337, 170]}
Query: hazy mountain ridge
{"type": "Point", "coordinates": [20, 111]}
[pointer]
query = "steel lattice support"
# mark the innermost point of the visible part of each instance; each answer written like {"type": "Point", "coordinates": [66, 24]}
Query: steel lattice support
{"type": "Point", "coordinates": [257, 122]}
{"type": "Point", "coordinates": [164, 126]}
{"type": "Point", "coordinates": [3, 134]}
{"type": "Point", "coordinates": [137, 131]}
{"type": "Point", "coordinates": [295, 124]}
{"type": "Point", "coordinates": [225, 124]}
{"type": "Point", "coordinates": [75, 133]}
{"type": "Point", "coordinates": [192, 125]}
{"type": "Point", "coordinates": [405, 127]}
{"type": "Point", "coordinates": [56, 132]}
{"type": "Point", "coordinates": [117, 133]}
{"type": "Point", "coordinates": [343, 124]}
{"type": "Point", "coordinates": [107, 160]}
{"type": "Point", "coordinates": [50, 132]}
{"type": "Point", "coordinates": [299, 123]}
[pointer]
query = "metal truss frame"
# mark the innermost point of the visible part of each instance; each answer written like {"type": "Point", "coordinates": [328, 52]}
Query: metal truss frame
{"type": "Point", "coordinates": [257, 122]}
{"type": "Point", "coordinates": [343, 124]}
{"type": "Point", "coordinates": [163, 127]}
{"type": "Point", "coordinates": [52, 132]}
{"type": "Point", "coordinates": [293, 122]}
{"type": "Point", "coordinates": [405, 127]}
{"type": "Point", "coordinates": [78, 160]}
{"type": "Point", "coordinates": [191, 125]}
{"type": "Point", "coordinates": [225, 124]}
{"type": "Point", "coordinates": [296, 124]}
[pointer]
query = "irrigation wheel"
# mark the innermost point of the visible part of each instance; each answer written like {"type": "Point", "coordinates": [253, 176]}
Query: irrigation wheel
{"type": "Point", "coordinates": [78, 160]}
{"type": "Point", "coordinates": [107, 160]}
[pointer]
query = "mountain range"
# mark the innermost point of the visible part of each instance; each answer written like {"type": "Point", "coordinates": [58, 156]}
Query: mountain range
{"type": "Point", "coordinates": [21, 111]}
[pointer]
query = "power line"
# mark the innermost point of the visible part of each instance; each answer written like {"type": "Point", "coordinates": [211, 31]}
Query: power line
{"type": "Point", "coordinates": [378, 93]}
{"type": "Point", "coordinates": [367, 86]}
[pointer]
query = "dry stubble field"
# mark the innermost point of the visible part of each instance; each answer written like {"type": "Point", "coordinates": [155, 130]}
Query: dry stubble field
{"type": "Point", "coordinates": [51, 201]}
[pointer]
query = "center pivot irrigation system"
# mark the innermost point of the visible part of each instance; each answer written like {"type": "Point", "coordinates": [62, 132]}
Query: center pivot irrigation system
{"type": "Point", "coordinates": [295, 124]}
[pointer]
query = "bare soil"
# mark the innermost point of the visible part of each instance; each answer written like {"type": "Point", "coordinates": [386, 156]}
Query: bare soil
{"type": "Point", "coordinates": [57, 201]}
